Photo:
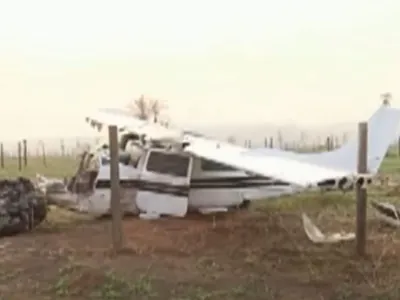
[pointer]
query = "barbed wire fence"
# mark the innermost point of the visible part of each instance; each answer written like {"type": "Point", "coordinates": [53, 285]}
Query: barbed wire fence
{"type": "Point", "coordinates": [46, 149]}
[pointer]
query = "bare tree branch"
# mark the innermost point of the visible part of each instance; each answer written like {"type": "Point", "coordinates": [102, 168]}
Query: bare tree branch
{"type": "Point", "coordinates": [231, 139]}
{"type": "Point", "coordinates": [386, 97]}
{"type": "Point", "coordinates": [147, 109]}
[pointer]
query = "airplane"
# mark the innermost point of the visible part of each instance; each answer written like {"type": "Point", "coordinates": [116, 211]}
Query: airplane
{"type": "Point", "coordinates": [191, 172]}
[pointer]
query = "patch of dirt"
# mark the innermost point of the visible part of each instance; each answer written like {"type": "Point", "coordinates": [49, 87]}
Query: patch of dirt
{"type": "Point", "coordinates": [243, 255]}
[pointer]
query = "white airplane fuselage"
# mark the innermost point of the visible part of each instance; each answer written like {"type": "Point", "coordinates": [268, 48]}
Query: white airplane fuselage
{"type": "Point", "coordinates": [173, 182]}
{"type": "Point", "coordinates": [170, 182]}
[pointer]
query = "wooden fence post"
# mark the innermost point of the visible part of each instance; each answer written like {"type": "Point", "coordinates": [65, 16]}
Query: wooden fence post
{"type": "Point", "coordinates": [19, 157]}
{"type": "Point", "coordinates": [116, 224]}
{"type": "Point", "coordinates": [43, 153]}
{"type": "Point", "coordinates": [398, 146]}
{"type": "Point", "coordinates": [328, 143]}
{"type": "Point", "coordinates": [2, 155]}
{"type": "Point", "coordinates": [361, 193]}
{"type": "Point", "coordinates": [337, 142]}
{"type": "Point", "coordinates": [62, 146]}
{"type": "Point", "coordinates": [25, 152]}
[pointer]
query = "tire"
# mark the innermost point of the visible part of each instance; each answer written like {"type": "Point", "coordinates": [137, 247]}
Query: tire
{"type": "Point", "coordinates": [245, 205]}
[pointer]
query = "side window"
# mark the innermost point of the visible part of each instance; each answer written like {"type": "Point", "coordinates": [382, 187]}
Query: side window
{"type": "Point", "coordinates": [209, 165]}
{"type": "Point", "coordinates": [168, 164]}
{"type": "Point", "coordinates": [105, 160]}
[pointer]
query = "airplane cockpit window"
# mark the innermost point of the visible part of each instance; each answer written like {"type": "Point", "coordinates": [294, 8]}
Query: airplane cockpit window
{"type": "Point", "coordinates": [168, 164]}
{"type": "Point", "coordinates": [209, 165]}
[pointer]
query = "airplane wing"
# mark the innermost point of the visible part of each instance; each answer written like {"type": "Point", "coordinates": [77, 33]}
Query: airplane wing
{"type": "Point", "coordinates": [282, 168]}
{"type": "Point", "coordinates": [125, 121]}
{"type": "Point", "coordinates": [113, 116]}
{"type": "Point", "coordinates": [303, 170]}
{"type": "Point", "coordinates": [311, 168]}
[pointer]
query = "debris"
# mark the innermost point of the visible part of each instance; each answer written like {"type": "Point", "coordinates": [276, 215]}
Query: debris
{"type": "Point", "coordinates": [50, 185]}
{"type": "Point", "coordinates": [149, 216]}
{"type": "Point", "coordinates": [387, 212]}
{"type": "Point", "coordinates": [4, 245]}
{"type": "Point", "coordinates": [21, 207]}
{"type": "Point", "coordinates": [212, 210]}
{"type": "Point", "coordinates": [316, 236]}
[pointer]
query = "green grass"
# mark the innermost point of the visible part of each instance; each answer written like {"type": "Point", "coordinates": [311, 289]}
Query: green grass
{"type": "Point", "coordinates": [55, 166]}
{"type": "Point", "coordinates": [391, 164]}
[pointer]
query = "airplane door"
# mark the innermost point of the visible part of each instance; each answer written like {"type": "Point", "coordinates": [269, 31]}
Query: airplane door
{"type": "Point", "coordinates": [164, 182]}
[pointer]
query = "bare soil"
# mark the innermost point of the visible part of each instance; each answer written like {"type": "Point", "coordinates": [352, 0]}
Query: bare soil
{"type": "Point", "coordinates": [242, 255]}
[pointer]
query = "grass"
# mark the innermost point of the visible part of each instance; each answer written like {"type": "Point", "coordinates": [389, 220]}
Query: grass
{"type": "Point", "coordinates": [53, 166]}
{"type": "Point", "coordinates": [262, 253]}
{"type": "Point", "coordinates": [391, 164]}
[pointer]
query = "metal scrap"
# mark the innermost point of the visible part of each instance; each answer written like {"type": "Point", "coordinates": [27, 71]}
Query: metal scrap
{"type": "Point", "coordinates": [387, 213]}
{"type": "Point", "coordinates": [316, 236]}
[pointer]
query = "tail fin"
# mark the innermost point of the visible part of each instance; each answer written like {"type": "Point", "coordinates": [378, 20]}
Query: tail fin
{"type": "Point", "coordinates": [383, 128]}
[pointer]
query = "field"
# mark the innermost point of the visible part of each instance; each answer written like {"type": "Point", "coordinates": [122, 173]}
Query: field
{"type": "Point", "coordinates": [262, 253]}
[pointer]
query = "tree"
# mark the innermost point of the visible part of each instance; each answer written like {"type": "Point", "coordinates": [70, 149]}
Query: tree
{"type": "Point", "coordinates": [147, 109]}
{"type": "Point", "coordinates": [231, 139]}
{"type": "Point", "coordinates": [386, 97]}
{"type": "Point", "coordinates": [280, 139]}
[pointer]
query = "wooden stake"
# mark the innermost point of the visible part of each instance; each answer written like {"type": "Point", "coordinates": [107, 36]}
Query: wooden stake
{"type": "Point", "coordinates": [25, 152]}
{"type": "Point", "coordinates": [328, 143]}
{"type": "Point", "coordinates": [361, 193]}
{"type": "Point", "coordinates": [19, 157]}
{"type": "Point", "coordinates": [1, 156]}
{"type": "Point", "coordinates": [116, 212]}
{"type": "Point", "coordinates": [43, 153]}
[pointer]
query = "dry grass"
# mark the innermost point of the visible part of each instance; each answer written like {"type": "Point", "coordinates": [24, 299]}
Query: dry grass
{"type": "Point", "coordinates": [262, 253]}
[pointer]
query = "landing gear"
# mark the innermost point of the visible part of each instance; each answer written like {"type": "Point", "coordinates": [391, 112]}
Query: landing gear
{"type": "Point", "coordinates": [244, 205]}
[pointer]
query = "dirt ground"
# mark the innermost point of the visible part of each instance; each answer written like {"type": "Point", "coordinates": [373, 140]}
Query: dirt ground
{"type": "Point", "coordinates": [257, 254]}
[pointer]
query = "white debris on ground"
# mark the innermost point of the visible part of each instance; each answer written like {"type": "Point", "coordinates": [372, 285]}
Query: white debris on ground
{"type": "Point", "coordinates": [316, 236]}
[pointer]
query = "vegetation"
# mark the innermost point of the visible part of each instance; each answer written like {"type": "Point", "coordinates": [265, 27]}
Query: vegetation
{"type": "Point", "coordinates": [147, 108]}
{"type": "Point", "coordinates": [53, 166]}
{"type": "Point", "coordinates": [262, 253]}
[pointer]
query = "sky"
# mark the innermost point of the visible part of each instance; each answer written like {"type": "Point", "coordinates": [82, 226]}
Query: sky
{"type": "Point", "coordinates": [213, 62]}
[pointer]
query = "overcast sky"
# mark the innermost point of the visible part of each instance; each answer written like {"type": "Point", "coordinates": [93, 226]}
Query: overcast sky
{"type": "Point", "coordinates": [212, 61]}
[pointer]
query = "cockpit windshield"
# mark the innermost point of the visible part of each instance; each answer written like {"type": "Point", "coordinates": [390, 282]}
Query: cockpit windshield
{"type": "Point", "coordinates": [168, 164]}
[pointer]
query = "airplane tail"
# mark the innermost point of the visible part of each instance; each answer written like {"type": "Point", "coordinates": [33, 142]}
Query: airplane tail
{"type": "Point", "coordinates": [383, 128]}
